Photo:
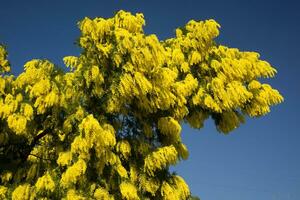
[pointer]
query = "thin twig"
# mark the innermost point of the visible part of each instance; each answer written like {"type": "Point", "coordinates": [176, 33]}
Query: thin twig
{"type": "Point", "coordinates": [40, 157]}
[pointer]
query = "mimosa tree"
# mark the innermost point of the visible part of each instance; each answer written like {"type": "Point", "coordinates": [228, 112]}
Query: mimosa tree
{"type": "Point", "coordinates": [109, 126]}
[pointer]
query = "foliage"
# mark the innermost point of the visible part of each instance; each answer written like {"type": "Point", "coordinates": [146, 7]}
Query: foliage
{"type": "Point", "coordinates": [194, 198]}
{"type": "Point", "coordinates": [110, 126]}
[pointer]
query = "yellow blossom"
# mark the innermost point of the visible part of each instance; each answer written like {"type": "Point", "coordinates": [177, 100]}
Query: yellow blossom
{"type": "Point", "coordinates": [45, 183]}
{"type": "Point", "coordinates": [128, 191]}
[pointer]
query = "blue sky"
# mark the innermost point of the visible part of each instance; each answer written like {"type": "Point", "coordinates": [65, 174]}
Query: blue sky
{"type": "Point", "coordinates": [260, 160]}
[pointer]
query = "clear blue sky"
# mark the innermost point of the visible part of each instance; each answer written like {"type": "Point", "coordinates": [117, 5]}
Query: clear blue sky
{"type": "Point", "coordinates": [260, 160]}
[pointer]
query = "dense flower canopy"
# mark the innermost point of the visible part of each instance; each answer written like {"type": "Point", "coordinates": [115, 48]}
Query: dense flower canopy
{"type": "Point", "coordinates": [109, 127]}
